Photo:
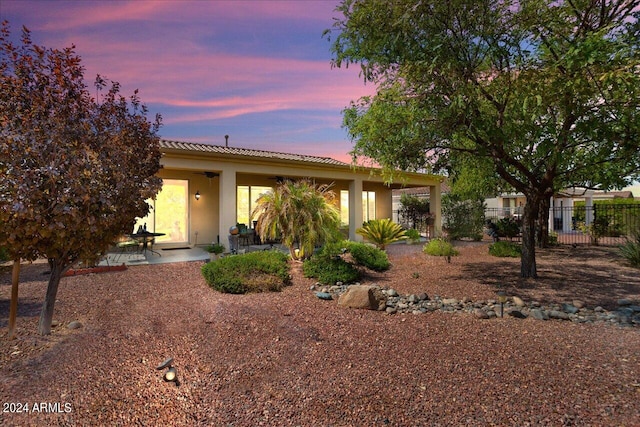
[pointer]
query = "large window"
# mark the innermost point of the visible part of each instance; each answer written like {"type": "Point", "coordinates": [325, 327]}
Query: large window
{"type": "Point", "coordinates": [169, 213]}
{"type": "Point", "coordinates": [247, 195]}
{"type": "Point", "coordinates": [368, 205]}
{"type": "Point", "coordinates": [344, 208]}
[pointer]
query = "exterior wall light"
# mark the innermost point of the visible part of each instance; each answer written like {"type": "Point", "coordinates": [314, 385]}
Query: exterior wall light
{"type": "Point", "coordinates": [197, 195]}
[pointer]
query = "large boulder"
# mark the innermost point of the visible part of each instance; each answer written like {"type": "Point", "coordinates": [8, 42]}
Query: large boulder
{"type": "Point", "coordinates": [363, 296]}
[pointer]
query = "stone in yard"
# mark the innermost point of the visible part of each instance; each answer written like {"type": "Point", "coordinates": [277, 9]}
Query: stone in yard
{"type": "Point", "coordinates": [517, 314]}
{"type": "Point", "coordinates": [518, 301]}
{"type": "Point", "coordinates": [423, 297]}
{"type": "Point", "coordinates": [450, 301]}
{"type": "Point", "coordinates": [555, 314]}
{"type": "Point", "coordinates": [578, 304]}
{"type": "Point", "coordinates": [392, 293]}
{"type": "Point", "coordinates": [624, 301]}
{"type": "Point", "coordinates": [412, 298]}
{"type": "Point", "coordinates": [391, 310]}
{"type": "Point", "coordinates": [480, 314]}
{"type": "Point", "coordinates": [536, 313]}
{"type": "Point", "coordinates": [74, 325]}
{"type": "Point", "coordinates": [363, 296]}
{"type": "Point", "coordinates": [324, 295]}
{"type": "Point", "coordinates": [568, 308]}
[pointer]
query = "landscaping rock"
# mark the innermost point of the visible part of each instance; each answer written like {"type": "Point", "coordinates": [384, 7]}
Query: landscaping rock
{"type": "Point", "coordinates": [392, 293]}
{"type": "Point", "coordinates": [578, 303]}
{"type": "Point", "coordinates": [480, 314]}
{"type": "Point", "coordinates": [536, 313]}
{"type": "Point", "coordinates": [518, 301]}
{"type": "Point", "coordinates": [324, 295]}
{"type": "Point", "coordinates": [423, 297]}
{"type": "Point", "coordinates": [362, 296]}
{"type": "Point", "coordinates": [517, 314]}
{"type": "Point", "coordinates": [624, 301]}
{"type": "Point", "coordinates": [74, 325]}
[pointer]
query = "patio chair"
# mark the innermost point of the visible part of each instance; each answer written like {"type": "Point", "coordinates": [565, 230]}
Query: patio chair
{"type": "Point", "coordinates": [126, 245]}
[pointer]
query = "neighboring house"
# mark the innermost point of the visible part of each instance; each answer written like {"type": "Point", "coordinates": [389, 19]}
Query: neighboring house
{"type": "Point", "coordinates": [561, 215]}
{"type": "Point", "coordinates": [208, 188]}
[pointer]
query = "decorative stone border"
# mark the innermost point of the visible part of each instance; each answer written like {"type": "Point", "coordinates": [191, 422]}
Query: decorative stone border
{"type": "Point", "coordinates": [627, 312]}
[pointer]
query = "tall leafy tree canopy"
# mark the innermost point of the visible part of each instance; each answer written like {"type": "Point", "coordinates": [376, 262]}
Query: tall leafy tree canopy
{"type": "Point", "coordinates": [543, 92]}
{"type": "Point", "coordinates": [74, 171]}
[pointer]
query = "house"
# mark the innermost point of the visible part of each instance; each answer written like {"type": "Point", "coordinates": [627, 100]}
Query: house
{"type": "Point", "coordinates": [209, 188]}
{"type": "Point", "coordinates": [561, 211]}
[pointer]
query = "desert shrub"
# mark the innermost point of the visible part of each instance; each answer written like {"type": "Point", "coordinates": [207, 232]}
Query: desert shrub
{"type": "Point", "coordinates": [463, 218]}
{"type": "Point", "coordinates": [505, 249]}
{"type": "Point", "coordinates": [439, 247]}
{"type": "Point", "coordinates": [381, 232]}
{"type": "Point", "coordinates": [413, 235]}
{"type": "Point", "coordinates": [508, 227]}
{"type": "Point", "coordinates": [373, 258]}
{"type": "Point", "coordinates": [252, 272]}
{"type": "Point", "coordinates": [631, 249]}
{"type": "Point", "coordinates": [330, 269]}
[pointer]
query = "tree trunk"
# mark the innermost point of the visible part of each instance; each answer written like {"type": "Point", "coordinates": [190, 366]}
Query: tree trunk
{"type": "Point", "coordinates": [46, 315]}
{"type": "Point", "coordinates": [529, 220]}
{"type": "Point", "coordinates": [542, 233]}
{"type": "Point", "coordinates": [13, 309]}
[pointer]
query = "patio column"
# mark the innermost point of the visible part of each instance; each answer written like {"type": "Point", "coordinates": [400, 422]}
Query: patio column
{"type": "Point", "coordinates": [355, 209]}
{"type": "Point", "coordinates": [567, 213]}
{"type": "Point", "coordinates": [588, 202]}
{"type": "Point", "coordinates": [552, 213]}
{"type": "Point", "coordinates": [228, 195]}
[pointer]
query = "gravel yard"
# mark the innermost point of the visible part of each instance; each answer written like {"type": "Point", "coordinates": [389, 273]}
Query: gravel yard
{"type": "Point", "coordinates": [289, 358]}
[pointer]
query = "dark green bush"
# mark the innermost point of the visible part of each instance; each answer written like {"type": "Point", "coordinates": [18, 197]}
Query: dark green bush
{"type": "Point", "coordinates": [252, 272]}
{"type": "Point", "coordinates": [371, 257]}
{"type": "Point", "coordinates": [505, 249]}
{"type": "Point", "coordinates": [508, 227]}
{"type": "Point", "coordinates": [330, 269]}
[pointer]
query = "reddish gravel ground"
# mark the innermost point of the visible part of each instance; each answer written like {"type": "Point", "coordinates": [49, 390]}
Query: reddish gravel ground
{"type": "Point", "coordinates": [290, 359]}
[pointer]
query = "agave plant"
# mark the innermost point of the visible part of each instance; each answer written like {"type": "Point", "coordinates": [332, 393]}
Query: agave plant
{"type": "Point", "coordinates": [381, 232]}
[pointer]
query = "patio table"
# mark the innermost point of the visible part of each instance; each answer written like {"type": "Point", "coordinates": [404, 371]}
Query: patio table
{"type": "Point", "coordinates": [145, 237]}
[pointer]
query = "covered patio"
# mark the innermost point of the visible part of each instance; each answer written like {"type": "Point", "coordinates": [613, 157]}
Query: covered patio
{"type": "Point", "coordinates": [207, 189]}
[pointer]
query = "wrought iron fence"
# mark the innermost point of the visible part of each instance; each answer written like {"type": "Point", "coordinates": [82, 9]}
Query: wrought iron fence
{"type": "Point", "coordinates": [600, 224]}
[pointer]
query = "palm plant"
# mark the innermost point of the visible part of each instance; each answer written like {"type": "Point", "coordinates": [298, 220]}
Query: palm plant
{"type": "Point", "coordinates": [381, 232]}
{"type": "Point", "coordinates": [300, 213]}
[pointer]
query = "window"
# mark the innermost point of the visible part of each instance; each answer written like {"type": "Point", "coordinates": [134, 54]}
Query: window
{"type": "Point", "coordinates": [368, 205]}
{"type": "Point", "coordinates": [169, 213]}
{"type": "Point", "coordinates": [247, 196]}
{"type": "Point", "coordinates": [344, 207]}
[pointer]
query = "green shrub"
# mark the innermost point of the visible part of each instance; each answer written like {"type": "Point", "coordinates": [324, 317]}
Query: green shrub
{"type": "Point", "coordinates": [329, 270]}
{"type": "Point", "coordinates": [631, 250]}
{"type": "Point", "coordinates": [381, 232]}
{"type": "Point", "coordinates": [413, 235]}
{"type": "Point", "coordinates": [508, 227]}
{"type": "Point", "coordinates": [252, 272]}
{"type": "Point", "coordinates": [505, 249]}
{"type": "Point", "coordinates": [463, 218]}
{"type": "Point", "coordinates": [373, 258]}
{"type": "Point", "coordinates": [439, 247]}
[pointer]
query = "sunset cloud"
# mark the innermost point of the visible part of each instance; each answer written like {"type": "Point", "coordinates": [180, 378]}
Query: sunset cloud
{"type": "Point", "coordinates": [259, 70]}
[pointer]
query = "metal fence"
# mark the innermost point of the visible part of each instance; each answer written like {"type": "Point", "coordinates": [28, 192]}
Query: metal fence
{"type": "Point", "coordinates": [600, 224]}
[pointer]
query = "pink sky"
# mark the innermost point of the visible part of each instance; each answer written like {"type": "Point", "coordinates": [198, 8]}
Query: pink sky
{"type": "Point", "coordinates": [258, 71]}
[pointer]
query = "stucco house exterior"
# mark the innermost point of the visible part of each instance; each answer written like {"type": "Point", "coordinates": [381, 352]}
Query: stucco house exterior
{"type": "Point", "coordinates": [209, 188]}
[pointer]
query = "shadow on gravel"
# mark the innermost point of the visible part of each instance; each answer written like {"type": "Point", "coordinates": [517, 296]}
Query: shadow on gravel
{"type": "Point", "coordinates": [594, 275]}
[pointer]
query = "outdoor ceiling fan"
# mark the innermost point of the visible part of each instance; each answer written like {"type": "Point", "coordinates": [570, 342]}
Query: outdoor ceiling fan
{"type": "Point", "coordinates": [208, 174]}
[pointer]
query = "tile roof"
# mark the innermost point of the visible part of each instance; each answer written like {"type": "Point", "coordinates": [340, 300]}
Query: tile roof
{"type": "Point", "coordinates": [248, 152]}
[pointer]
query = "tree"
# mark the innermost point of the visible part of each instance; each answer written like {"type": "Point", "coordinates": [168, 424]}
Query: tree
{"type": "Point", "coordinates": [301, 213]}
{"type": "Point", "coordinates": [547, 91]}
{"type": "Point", "coordinates": [75, 172]}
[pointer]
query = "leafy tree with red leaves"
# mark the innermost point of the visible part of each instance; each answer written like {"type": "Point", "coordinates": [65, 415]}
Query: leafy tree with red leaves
{"type": "Point", "coordinates": [74, 171]}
